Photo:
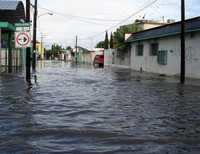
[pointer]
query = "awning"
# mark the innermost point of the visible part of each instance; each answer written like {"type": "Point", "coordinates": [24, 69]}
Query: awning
{"type": "Point", "coordinates": [7, 26]}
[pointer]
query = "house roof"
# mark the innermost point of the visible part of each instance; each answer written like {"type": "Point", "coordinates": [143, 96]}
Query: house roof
{"type": "Point", "coordinates": [8, 5]}
{"type": "Point", "coordinates": [11, 11]}
{"type": "Point", "coordinates": [192, 25]}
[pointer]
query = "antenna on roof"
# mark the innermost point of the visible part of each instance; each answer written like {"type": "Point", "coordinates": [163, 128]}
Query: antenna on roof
{"type": "Point", "coordinates": [144, 16]}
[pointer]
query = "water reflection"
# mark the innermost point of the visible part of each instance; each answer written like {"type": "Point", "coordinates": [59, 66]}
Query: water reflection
{"type": "Point", "coordinates": [16, 115]}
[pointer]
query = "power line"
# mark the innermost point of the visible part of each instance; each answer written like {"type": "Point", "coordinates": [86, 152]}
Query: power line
{"type": "Point", "coordinates": [79, 17]}
{"type": "Point", "coordinates": [124, 20]}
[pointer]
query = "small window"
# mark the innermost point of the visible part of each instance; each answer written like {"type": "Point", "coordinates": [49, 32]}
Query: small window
{"type": "Point", "coordinates": [162, 57]}
{"type": "Point", "coordinates": [139, 50]}
{"type": "Point", "coordinates": [154, 49]}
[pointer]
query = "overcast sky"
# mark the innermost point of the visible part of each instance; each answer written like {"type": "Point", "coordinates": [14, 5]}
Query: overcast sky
{"type": "Point", "coordinates": [62, 27]}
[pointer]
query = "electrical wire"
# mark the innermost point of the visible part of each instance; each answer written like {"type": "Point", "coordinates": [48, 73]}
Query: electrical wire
{"type": "Point", "coordinates": [124, 20]}
{"type": "Point", "coordinates": [79, 17]}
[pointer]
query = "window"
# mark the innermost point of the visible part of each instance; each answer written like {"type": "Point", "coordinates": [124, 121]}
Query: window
{"type": "Point", "coordinates": [154, 49]}
{"type": "Point", "coordinates": [139, 50]}
{"type": "Point", "coordinates": [162, 57]}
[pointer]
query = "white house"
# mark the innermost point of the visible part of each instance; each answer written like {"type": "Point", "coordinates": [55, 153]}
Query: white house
{"type": "Point", "coordinates": [158, 50]}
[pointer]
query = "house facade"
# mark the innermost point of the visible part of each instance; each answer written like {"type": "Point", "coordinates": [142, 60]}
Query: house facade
{"type": "Point", "coordinates": [158, 50]}
{"type": "Point", "coordinates": [11, 12]}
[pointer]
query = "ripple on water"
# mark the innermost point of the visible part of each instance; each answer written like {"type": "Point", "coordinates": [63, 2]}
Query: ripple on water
{"type": "Point", "coordinates": [84, 110]}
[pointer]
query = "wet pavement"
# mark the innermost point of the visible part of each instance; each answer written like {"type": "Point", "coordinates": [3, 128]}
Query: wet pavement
{"type": "Point", "coordinates": [82, 110]}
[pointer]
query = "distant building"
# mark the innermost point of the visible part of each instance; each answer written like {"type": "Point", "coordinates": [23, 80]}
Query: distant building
{"type": "Point", "coordinates": [83, 55]}
{"type": "Point", "coordinates": [11, 12]}
{"type": "Point", "coordinates": [148, 24]}
{"type": "Point", "coordinates": [40, 50]}
{"type": "Point", "coordinates": [157, 50]}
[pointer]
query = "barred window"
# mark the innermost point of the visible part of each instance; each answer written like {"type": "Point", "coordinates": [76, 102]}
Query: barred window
{"type": "Point", "coordinates": [139, 50]}
{"type": "Point", "coordinates": [162, 57]}
{"type": "Point", "coordinates": [154, 49]}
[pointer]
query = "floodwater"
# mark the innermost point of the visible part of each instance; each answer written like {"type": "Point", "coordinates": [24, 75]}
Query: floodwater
{"type": "Point", "coordinates": [82, 110]}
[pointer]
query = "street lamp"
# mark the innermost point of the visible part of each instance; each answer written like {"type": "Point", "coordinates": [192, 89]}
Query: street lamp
{"type": "Point", "coordinates": [46, 13]}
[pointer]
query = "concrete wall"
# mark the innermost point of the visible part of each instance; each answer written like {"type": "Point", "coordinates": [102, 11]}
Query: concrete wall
{"type": "Point", "coordinates": [86, 58]}
{"type": "Point", "coordinates": [172, 45]}
{"type": "Point", "coordinates": [108, 57]}
{"type": "Point", "coordinates": [117, 58]}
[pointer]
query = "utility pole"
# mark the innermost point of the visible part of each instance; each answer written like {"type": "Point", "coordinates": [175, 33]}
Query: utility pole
{"type": "Point", "coordinates": [182, 76]}
{"type": "Point", "coordinates": [34, 36]}
{"type": "Point", "coordinates": [76, 50]}
{"type": "Point", "coordinates": [28, 50]}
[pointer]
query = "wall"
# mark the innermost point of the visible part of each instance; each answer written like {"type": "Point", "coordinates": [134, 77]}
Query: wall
{"type": "Point", "coordinates": [108, 57]}
{"type": "Point", "coordinates": [17, 54]}
{"type": "Point", "coordinates": [40, 50]}
{"type": "Point", "coordinates": [117, 58]}
{"type": "Point", "coordinates": [172, 45]}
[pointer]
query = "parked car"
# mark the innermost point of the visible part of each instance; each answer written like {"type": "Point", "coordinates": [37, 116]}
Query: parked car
{"type": "Point", "coordinates": [99, 60]}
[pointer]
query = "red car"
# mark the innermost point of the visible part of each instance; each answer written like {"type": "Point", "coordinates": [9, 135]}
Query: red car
{"type": "Point", "coordinates": [99, 60]}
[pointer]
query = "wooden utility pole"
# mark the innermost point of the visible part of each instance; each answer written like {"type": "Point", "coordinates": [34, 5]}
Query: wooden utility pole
{"type": "Point", "coordinates": [34, 36]}
{"type": "Point", "coordinates": [28, 50]}
{"type": "Point", "coordinates": [182, 76]}
{"type": "Point", "coordinates": [76, 49]}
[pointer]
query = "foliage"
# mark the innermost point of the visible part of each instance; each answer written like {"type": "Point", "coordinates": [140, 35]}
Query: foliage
{"type": "Point", "coordinates": [69, 48]}
{"type": "Point", "coordinates": [55, 51]}
{"type": "Point", "coordinates": [119, 35]}
{"type": "Point", "coordinates": [101, 44]}
{"type": "Point", "coordinates": [106, 44]}
{"type": "Point", "coordinates": [117, 39]}
{"type": "Point", "coordinates": [111, 41]}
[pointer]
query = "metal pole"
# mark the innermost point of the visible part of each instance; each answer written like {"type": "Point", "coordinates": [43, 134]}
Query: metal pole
{"type": "Point", "coordinates": [182, 76]}
{"type": "Point", "coordinates": [76, 49]}
{"type": "Point", "coordinates": [28, 50]}
{"type": "Point", "coordinates": [34, 37]}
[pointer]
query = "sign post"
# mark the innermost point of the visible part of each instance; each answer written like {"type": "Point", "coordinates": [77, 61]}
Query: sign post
{"type": "Point", "coordinates": [23, 40]}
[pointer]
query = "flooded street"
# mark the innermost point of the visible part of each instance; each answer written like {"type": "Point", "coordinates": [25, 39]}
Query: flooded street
{"type": "Point", "coordinates": [82, 110]}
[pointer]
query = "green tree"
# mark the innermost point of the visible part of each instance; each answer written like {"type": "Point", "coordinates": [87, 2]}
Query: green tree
{"type": "Point", "coordinates": [106, 44]}
{"type": "Point", "coordinates": [101, 44]}
{"type": "Point", "coordinates": [111, 41]}
{"type": "Point", "coordinates": [69, 48]}
{"type": "Point", "coordinates": [119, 35]}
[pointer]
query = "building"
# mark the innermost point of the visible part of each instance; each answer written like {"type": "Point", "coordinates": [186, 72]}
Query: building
{"type": "Point", "coordinates": [83, 55]}
{"type": "Point", "coordinates": [11, 12]}
{"type": "Point", "coordinates": [40, 50]}
{"type": "Point", "coordinates": [158, 50]}
{"type": "Point", "coordinates": [148, 24]}
{"type": "Point", "coordinates": [121, 57]}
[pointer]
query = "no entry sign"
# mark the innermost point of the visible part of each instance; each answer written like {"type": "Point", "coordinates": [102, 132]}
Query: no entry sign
{"type": "Point", "coordinates": [22, 39]}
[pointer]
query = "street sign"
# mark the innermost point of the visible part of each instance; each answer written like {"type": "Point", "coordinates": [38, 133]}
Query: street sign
{"type": "Point", "coordinates": [22, 39]}
{"type": "Point", "coordinates": [22, 27]}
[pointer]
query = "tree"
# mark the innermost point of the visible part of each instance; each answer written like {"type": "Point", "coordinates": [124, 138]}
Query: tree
{"type": "Point", "coordinates": [106, 45]}
{"type": "Point", "coordinates": [117, 39]}
{"type": "Point", "coordinates": [69, 48]}
{"type": "Point", "coordinates": [101, 44]}
{"type": "Point", "coordinates": [119, 35]}
{"type": "Point", "coordinates": [111, 41]}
